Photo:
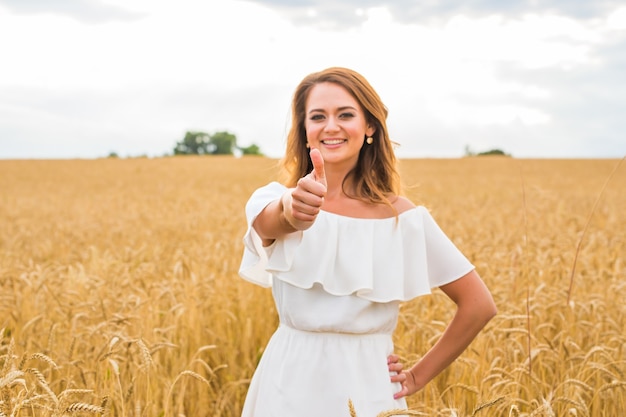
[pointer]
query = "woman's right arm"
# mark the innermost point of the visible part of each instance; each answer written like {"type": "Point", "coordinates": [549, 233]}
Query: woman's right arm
{"type": "Point", "coordinates": [271, 223]}
{"type": "Point", "coordinates": [297, 209]}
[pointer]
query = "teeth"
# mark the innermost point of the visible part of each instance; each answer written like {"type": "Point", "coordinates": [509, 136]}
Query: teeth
{"type": "Point", "coordinates": [333, 141]}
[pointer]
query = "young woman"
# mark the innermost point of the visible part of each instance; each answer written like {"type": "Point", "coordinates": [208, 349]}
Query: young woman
{"type": "Point", "coordinates": [341, 249]}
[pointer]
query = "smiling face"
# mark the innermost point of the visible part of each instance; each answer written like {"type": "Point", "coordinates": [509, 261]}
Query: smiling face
{"type": "Point", "coordinates": [335, 124]}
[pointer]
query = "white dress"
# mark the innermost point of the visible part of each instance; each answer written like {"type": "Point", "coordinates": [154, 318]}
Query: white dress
{"type": "Point", "coordinates": [337, 288]}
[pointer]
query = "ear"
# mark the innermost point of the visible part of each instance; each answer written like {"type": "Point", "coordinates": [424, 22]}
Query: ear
{"type": "Point", "coordinates": [370, 130]}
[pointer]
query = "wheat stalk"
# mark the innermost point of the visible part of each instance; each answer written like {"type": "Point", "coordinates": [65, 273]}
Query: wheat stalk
{"type": "Point", "coordinates": [400, 412]}
{"type": "Point", "coordinates": [582, 236]}
{"type": "Point", "coordinates": [9, 357]}
{"type": "Point", "coordinates": [84, 407]}
{"type": "Point", "coordinates": [178, 377]}
{"type": "Point", "coordinates": [611, 385]}
{"type": "Point", "coordinates": [389, 413]}
{"type": "Point", "coordinates": [487, 405]}
{"type": "Point", "coordinates": [145, 355]}
{"type": "Point", "coordinates": [43, 383]}
{"type": "Point", "coordinates": [44, 358]}
{"type": "Point", "coordinates": [74, 391]}
{"type": "Point", "coordinates": [10, 378]}
{"type": "Point", "coordinates": [351, 408]}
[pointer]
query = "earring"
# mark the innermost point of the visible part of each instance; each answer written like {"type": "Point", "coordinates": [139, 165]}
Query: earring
{"type": "Point", "coordinates": [307, 145]}
{"type": "Point", "coordinates": [369, 140]}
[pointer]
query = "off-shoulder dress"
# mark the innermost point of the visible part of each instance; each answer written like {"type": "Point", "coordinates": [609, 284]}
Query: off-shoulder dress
{"type": "Point", "coordinates": [337, 288]}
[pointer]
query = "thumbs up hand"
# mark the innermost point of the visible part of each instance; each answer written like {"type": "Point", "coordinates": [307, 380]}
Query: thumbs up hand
{"type": "Point", "coordinates": [318, 173]}
{"type": "Point", "coordinates": [302, 204]}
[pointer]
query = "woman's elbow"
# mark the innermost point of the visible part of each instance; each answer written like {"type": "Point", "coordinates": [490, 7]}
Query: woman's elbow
{"type": "Point", "coordinates": [480, 310]}
{"type": "Point", "coordinates": [487, 311]}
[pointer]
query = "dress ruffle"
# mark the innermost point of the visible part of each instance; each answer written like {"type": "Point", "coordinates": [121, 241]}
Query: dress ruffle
{"type": "Point", "coordinates": [380, 260]}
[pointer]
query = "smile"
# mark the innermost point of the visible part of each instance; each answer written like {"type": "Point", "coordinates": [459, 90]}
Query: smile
{"type": "Point", "coordinates": [333, 141]}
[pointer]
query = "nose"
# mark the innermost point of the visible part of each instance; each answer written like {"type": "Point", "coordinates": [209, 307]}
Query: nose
{"type": "Point", "coordinates": [331, 124]}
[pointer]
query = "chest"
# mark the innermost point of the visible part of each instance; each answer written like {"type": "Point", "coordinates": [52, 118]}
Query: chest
{"type": "Point", "coordinates": [358, 209]}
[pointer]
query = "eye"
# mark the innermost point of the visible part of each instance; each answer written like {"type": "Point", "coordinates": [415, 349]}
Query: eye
{"type": "Point", "coordinates": [316, 117]}
{"type": "Point", "coordinates": [346, 115]}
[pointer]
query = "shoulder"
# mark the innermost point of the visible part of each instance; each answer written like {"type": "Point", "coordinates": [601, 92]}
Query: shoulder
{"type": "Point", "coordinates": [264, 195]}
{"type": "Point", "coordinates": [402, 204]}
{"type": "Point", "coordinates": [272, 189]}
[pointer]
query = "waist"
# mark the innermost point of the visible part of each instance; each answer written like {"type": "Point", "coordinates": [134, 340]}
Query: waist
{"type": "Point", "coordinates": [286, 328]}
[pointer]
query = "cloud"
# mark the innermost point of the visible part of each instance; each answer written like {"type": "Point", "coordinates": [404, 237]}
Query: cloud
{"type": "Point", "coordinates": [348, 14]}
{"type": "Point", "coordinates": [90, 11]}
{"type": "Point", "coordinates": [533, 84]}
{"type": "Point", "coordinates": [145, 119]}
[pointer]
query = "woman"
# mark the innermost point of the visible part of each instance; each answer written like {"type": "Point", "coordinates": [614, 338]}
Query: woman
{"type": "Point", "coordinates": [341, 249]}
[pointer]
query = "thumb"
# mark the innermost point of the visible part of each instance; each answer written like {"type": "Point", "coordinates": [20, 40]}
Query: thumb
{"type": "Point", "coordinates": [318, 166]}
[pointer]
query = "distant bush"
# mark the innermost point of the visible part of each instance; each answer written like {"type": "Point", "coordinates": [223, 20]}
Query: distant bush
{"type": "Point", "coordinates": [491, 152]}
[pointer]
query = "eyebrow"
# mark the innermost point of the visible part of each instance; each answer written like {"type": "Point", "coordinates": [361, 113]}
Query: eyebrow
{"type": "Point", "coordinates": [338, 109]}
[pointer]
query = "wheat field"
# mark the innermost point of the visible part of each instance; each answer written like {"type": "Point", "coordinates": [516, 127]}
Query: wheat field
{"type": "Point", "coordinates": [120, 295]}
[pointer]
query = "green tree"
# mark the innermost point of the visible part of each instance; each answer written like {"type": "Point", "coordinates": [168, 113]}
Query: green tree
{"type": "Point", "coordinates": [219, 143]}
{"type": "Point", "coordinates": [490, 152]}
{"type": "Point", "coordinates": [223, 143]}
{"type": "Point", "coordinates": [495, 151]}
{"type": "Point", "coordinates": [194, 143]}
{"type": "Point", "coordinates": [251, 150]}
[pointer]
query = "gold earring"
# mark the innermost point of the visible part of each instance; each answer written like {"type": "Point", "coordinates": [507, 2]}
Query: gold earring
{"type": "Point", "coordinates": [369, 140]}
{"type": "Point", "coordinates": [307, 145]}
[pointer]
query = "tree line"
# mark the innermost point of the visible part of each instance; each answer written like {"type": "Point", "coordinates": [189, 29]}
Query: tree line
{"type": "Point", "coordinates": [219, 143]}
{"type": "Point", "coordinates": [491, 152]}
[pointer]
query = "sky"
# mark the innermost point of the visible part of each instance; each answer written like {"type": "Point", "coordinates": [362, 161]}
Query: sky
{"type": "Point", "coordinates": [534, 78]}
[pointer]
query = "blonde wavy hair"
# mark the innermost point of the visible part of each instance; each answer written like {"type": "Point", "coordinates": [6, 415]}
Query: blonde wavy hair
{"type": "Point", "coordinates": [375, 177]}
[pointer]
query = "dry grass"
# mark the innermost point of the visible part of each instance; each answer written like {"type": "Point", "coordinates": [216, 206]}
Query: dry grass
{"type": "Point", "coordinates": [119, 293]}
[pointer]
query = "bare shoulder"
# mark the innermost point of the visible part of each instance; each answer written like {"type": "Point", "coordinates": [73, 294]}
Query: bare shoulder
{"type": "Point", "coordinates": [402, 204]}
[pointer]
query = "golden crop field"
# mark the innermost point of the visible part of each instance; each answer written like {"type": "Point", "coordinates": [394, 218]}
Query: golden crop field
{"type": "Point", "coordinates": [119, 292]}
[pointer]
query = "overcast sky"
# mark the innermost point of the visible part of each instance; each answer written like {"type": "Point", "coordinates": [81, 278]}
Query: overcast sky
{"type": "Point", "coordinates": [535, 78]}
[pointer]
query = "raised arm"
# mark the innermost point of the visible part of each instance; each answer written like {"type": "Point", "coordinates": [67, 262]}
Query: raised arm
{"type": "Point", "coordinates": [298, 208]}
{"type": "Point", "coordinates": [475, 307]}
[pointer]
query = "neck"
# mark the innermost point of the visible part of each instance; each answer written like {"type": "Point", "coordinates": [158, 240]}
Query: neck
{"type": "Point", "coordinates": [336, 181]}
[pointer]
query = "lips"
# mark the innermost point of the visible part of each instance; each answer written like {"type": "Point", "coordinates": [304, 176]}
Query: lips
{"type": "Point", "coordinates": [333, 141]}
